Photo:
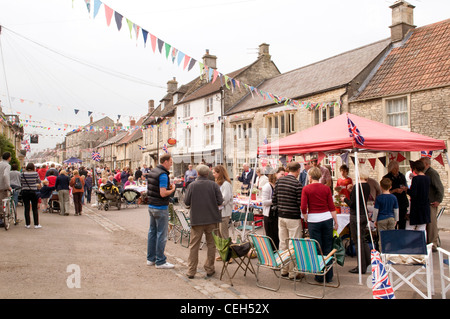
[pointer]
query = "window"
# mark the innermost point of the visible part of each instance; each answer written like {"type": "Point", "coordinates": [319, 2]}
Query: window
{"type": "Point", "coordinates": [209, 134]}
{"type": "Point", "coordinates": [187, 137]}
{"type": "Point", "coordinates": [186, 110]}
{"type": "Point", "coordinates": [323, 114]}
{"type": "Point", "coordinates": [151, 135]}
{"type": "Point", "coordinates": [282, 124]}
{"type": "Point", "coordinates": [249, 130]}
{"type": "Point", "coordinates": [291, 123]}
{"type": "Point", "coordinates": [208, 104]}
{"type": "Point", "coordinates": [397, 112]}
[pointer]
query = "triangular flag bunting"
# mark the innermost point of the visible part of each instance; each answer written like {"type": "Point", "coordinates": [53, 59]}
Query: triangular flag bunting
{"type": "Point", "coordinates": [439, 159]}
{"type": "Point", "coordinates": [372, 162]}
{"type": "Point", "coordinates": [400, 157]}
{"type": "Point", "coordinates": [191, 64]}
{"type": "Point", "coordinates": [144, 35]}
{"type": "Point", "coordinates": [168, 46]}
{"type": "Point", "coordinates": [160, 45]}
{"type": "Point", "coordinates": [118, 18]}
{"type": "Point", "coordinates": [382, 159]}
{"type": "Point", "coordinates": [130, 27]}
{"type": "Point", "coordinates": [97, 4]}
{"type": "Point", "coordinates": [153, 41]}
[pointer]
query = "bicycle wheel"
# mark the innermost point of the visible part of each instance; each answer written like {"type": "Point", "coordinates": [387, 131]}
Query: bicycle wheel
{"type": "Point", "coordinates": [6, 218]}
{"type": "Point", "coordinates": [13, 213]}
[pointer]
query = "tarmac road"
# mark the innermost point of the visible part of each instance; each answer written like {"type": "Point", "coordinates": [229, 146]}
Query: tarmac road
{"type": "Point", "coordinates": [102, 255]}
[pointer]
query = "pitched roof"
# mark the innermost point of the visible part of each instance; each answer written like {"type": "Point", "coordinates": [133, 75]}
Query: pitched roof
{"type": "Point", "coordinates": [327, 74]}
{"type": "Point", "coordinates": [420, 62]}
{"type": "Point", "coordinates": [113, 139]}
{"type": "Point", "coordinates": [133, 134]}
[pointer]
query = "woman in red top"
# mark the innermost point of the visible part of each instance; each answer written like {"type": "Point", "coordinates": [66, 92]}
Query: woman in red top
{"type": "Point", "coordinates": [318, 210]}
{"type": "Point", "coordinates": [344, 184]}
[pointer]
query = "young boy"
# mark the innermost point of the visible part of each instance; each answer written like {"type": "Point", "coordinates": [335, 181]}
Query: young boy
{"type": "Point", "coordinates": [385, 213]}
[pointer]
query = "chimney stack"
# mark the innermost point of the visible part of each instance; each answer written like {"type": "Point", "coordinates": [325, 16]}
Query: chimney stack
{"type": "Point", "coordinates": [263, 50]}
{"type": "Point", "coordinates": [210, 60]}
{"type": "Point", "coordinates": [172, 86]}
{"type": "Point", "coordinates": [132, 122]}
{"type": "Point", "coordinates": [402, 20]}
{"type": "Point", "coordinates": [91, 120]}
{"type": "Point", "coordinates": [151, 106]}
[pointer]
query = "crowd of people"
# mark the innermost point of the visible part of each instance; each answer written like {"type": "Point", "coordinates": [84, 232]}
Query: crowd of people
{"type": "Point", "coordinates": [293, 198]}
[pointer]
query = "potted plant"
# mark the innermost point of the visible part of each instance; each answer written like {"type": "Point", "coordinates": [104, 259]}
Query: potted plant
{"type": "Point", "coordinates": [254, 192]}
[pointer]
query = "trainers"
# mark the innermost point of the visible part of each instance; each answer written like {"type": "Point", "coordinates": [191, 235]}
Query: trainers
{"type": "Point", "coordinates": [38, 226]}
{"type": "Point", "coordinates": [165, 266]}
{"type": "Point", "coordinates": [27, 226]}
{"type": "Point", "coordinates": [150, 263]}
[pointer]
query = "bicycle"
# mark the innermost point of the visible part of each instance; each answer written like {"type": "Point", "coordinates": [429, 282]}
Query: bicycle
{"type": "Point", "coordinates": [9, 212]}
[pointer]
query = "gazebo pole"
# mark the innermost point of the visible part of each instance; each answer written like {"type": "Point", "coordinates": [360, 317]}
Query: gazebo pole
{"type": "Point", "coordinates": [249, 199]}
{"type": "Point", "coordinates": [358, 226]}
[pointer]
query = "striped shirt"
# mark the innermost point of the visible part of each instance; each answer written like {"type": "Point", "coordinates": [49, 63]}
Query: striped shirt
{"type": "Point", "coordinates": [287, 197]}
{"type": "Point", "coordinates": [29, 180]}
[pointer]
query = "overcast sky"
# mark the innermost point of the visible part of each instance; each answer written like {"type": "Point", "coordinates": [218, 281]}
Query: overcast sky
{"type": "Point", "coordinates": [58, 58]}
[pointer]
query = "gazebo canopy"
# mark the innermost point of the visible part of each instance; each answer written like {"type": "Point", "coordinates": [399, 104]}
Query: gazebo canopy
{"type": "Point", "coordinates": [333, 136]}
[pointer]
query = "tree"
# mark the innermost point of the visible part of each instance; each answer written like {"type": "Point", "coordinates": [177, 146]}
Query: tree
{"type": "Point", "coordinates": [7, 146]}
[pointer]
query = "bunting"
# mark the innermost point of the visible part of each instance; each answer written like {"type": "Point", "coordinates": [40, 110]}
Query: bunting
{"type": "Point", "coordinates": [188, 62]}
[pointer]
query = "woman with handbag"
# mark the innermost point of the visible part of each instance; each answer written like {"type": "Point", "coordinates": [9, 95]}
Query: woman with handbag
{"type": "Point", "coordinates": [223, 180]}
{"type": "Point", "coordinates": [269, 211]}
{"type": "Point", "coordinates": [30, 182]}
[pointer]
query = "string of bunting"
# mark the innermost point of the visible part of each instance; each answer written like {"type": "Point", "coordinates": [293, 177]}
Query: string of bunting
{"type": "Point", "coordinates": [188, 62]}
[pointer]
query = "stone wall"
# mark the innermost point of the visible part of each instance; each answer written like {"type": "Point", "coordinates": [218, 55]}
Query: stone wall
{"type": "Point", "coordinates": [428, 115]}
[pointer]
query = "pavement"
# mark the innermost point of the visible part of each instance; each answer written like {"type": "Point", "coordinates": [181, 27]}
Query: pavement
{"type": "Point", "coordinates": [116, 241]}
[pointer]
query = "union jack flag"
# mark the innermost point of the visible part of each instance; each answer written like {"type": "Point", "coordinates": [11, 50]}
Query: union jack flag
{"type": "Point", "coordinates": [165, 148]}
{"type": "Point", "coordinates": [96, 156]}
{"type": "Point", "coordinates": [381, 285]}
{"type": "Point", "coordinates": [426, 154]}
{"type": "Point", "coordinates": [354, 132]}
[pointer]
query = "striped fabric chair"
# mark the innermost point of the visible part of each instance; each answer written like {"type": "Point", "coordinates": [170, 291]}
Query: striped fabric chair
{"type": "Point", "coordinates": [268, 258]}
{"type": "Point", "coordinates": [308, 259]}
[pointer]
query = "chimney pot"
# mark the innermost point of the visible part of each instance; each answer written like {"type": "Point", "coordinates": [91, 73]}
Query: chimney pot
{"type": "Point", "coordinates": [172, 86]}
{"type": "Point", "coordinates": [263, 50]}
{"type": "Point", "coordinates": [151, 106]}
{"type": "Point", "coordinates": [210, 60]}
{"type": "Point", "coordinates": [402, 20]}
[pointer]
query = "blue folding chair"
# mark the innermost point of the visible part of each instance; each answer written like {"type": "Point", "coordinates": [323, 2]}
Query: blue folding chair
{"type": "Point", "coordinates": [407, 249]}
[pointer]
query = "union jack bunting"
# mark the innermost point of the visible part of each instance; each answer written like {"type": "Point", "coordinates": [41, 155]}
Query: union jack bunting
{"type": "Point", "coordinates": [354, 132]}
{"type": "Point", "coordinates": [381, 285]}
{"type": "Point", "coordinates": [141, 148]}
{"type": "Point", "coordinates": [96, 156]}
{"type": "Point", "coordinates": [426, 154]}
{"type": "Point", "coordinates": [165, 148]}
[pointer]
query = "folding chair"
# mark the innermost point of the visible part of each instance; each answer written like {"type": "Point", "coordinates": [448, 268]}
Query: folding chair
{"type": "Point", "coordinates": [308, 259]}
{"type": "Point", "coordinates": [444, 258]}
{"type": "Point", "coordinates": [238, 217]}
{"type": "Point", "coordinates": [406, 255]}
{"type": "Point", "coordinates": [185, 229]}
{"type": "Point", "coordinates": [269, 258]}
{"type": "Point", "coordinates": [227, 251]}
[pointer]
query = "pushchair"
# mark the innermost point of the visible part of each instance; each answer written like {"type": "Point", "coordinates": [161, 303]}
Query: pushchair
{"type": "Point", "coordinates": [108, 196]}
{"type": "Point", "coordinates": [130, 197]}
{"type": "Point", "coordinates": [53, 203]}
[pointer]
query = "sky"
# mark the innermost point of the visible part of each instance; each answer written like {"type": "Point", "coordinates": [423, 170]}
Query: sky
{"type": "Point", "coordinates": [59, 63]}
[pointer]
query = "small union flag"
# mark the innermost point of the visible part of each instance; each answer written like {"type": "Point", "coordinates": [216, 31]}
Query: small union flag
{"type": "Point", "coordinates": [96, 156]}
{"type": "Point", "coordinates": [354, 132]}
{"type": "Point", "coordinates": [165, 148]}
{"type": "Point", "coordinates": [381, 285]}
{"type": "Point", "coordinates": [426, 154]}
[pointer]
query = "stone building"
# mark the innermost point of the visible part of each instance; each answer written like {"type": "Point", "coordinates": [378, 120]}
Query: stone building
{"type": "Point", "coordinates": [200, 113]}
{"type": "Point", "coordinates": [81, 142]}
{"type": "Point", "coordinates": [410, 87]}
{"type": "Point", "coordinates": [326, 86]}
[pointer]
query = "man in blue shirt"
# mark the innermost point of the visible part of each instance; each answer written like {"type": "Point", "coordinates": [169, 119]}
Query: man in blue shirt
{"type": "Point", "coordinates": [190, 176]}
{"type": "Point", "coordinates": [159, 191]}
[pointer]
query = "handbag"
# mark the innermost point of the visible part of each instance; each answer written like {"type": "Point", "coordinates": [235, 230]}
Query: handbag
{"type": "Point", "coordinates": [241, 249]}
{"type": "Point", "coordinates": [340, 249]}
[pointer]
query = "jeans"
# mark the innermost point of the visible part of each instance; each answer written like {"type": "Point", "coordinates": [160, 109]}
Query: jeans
{"type": "Point", "coordinates": [157, 235]}
{"type": "Point", "coordinates": [323, 233]}
{"type": "Point", "coordinates": [30, 198]}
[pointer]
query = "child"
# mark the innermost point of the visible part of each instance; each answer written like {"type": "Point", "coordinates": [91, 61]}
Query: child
{"type": "Point", "coordinates": [44, 194]}
{"type": "Point", "coordinates": [385, 213]}
{"type": "Point", "coordinates": [344, 184]}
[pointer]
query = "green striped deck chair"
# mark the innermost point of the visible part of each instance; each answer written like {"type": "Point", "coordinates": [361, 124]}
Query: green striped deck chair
{"type": "Point", "coordinates": [269, 258]}
{"type": "Point", "coordinates": [308, 259]}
